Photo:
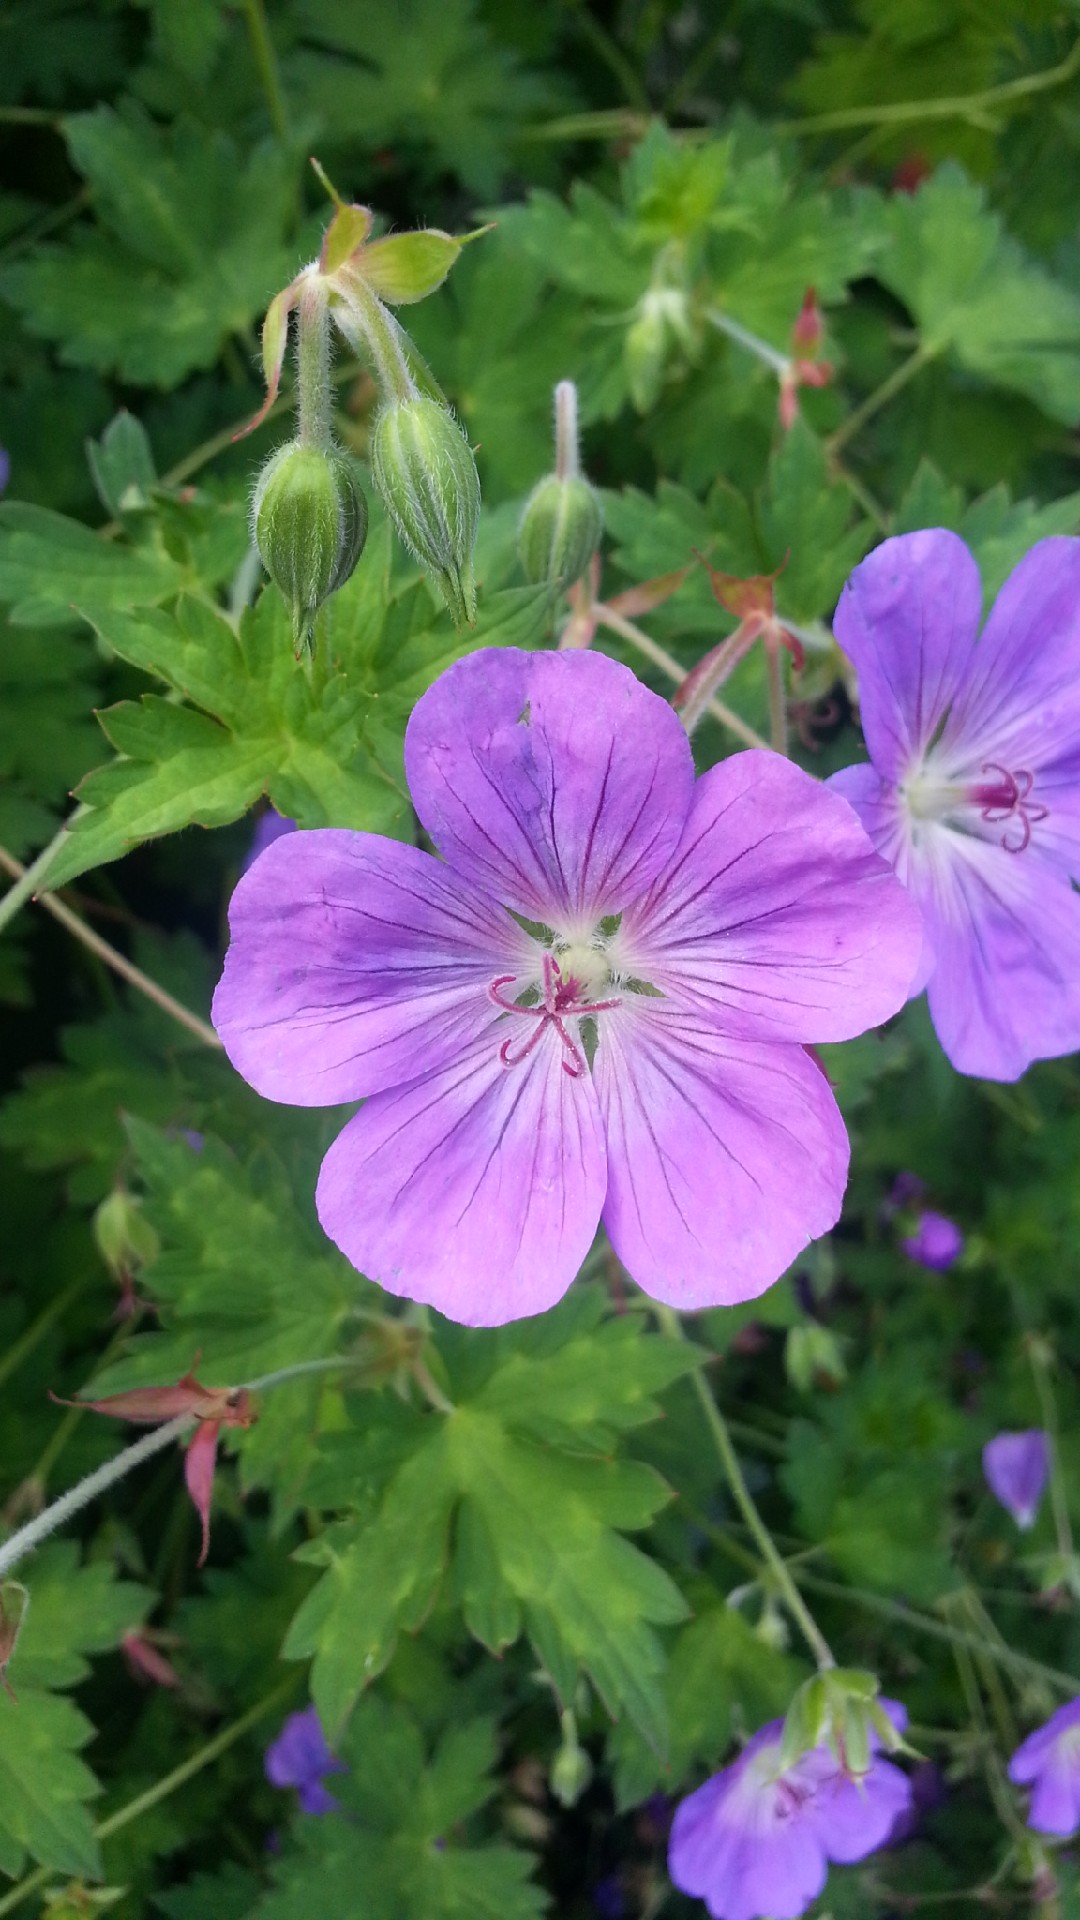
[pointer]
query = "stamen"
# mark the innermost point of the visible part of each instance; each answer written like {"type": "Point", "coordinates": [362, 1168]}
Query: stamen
{"type": "Point", "coordinates": [1008, 799]}
{"type": "Point", "coordinates": [559, 1002]}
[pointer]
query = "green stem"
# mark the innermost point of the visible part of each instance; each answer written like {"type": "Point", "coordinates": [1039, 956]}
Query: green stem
{"type": "Point", "coordinates": [970, 106]}
{"type": "Point", "coordinates": [566, 431]}
{"type": "Point", "coordinates": [21, 1348]}
{"type": "Point", "coordinates": [179, 1777]}
{"type": "Point", "coordinates": [266, 62]}
{"type": "Point", "coordinates": [27, 1538]}
{"type": "Point", "coordinates": [729, 1459]}
{"type": "Point", "coordinates": [645, 644]}
{"type": "Point", "coordinates": [1040, 1367]}
{"type": "Point", "coordinates": [313, 367]}
{"type": "Point", "coordinates": [119, 964]}
{"type": "Point", "coordinates": [365, 322]}
{"type": "Point", "coordinates": [899, 378]}
{"type": "Point", "coordinates": [777, 700]}
{"type": "Point", "coordinates": [610, 53]}
{"type": "Point", "coordinates": [32, 877]}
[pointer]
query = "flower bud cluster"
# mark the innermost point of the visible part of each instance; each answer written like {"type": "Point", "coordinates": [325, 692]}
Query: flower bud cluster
{"type": "Point", "coordinates": [309, 516]}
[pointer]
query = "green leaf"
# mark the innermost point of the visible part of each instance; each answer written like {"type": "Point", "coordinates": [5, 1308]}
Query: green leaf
{"type": "Point", "coordinates": [188, 248]}
{"type": "Point", "coordinates": [47, 739]}
{"type": "Point", "coordinates": [122, 464]}
{"type": "Point", "coordinates": [44, 1786]}
{"type": "Point", "coordinates": [399, 1852]}
{"type": "Point", "coordinates": [49, 565]}
{"type": "Point", "coordinates": [405, 267]}
{"type": "Point", "coordinates": [975, 294]}
{"type": "Point", "coordinates": [722, 1681]}
{"type": "Point", "coordinates": [531, 1531]}
{"type": "Point", "coordinates": [808, 516]}
{"type": "Point", "coordinates": [998, 529]}
{"type": "Point", "coordinates": [74, 1610]}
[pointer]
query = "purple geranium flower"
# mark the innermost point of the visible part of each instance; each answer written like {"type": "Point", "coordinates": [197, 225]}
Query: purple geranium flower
{"type": "Point", "coordinates": [1048, 1762]}
{"type": "Point", "coordinates": [756, 1841]}
{"type": "Point", "coordinates": [1016, 1466]}
{"type": "Point", "coordinates": [973, 793]}
{"type": "Point", "coordinates": [5, 468]}
{"type": "Point", "coordinates": [269, 826]}
{"type": "Point", "coordinates": [595, 1002]}
{"type": "Point", "coordinates": [935, 1242]}
{"type": "Point", "coordinates": [299, 1757]}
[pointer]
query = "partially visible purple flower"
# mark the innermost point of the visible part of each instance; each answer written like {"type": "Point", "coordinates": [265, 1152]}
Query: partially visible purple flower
{"type": "Point", "coordinates": [973, 791]}
{"type": "Point", "coordinates": [755, 1842]}
{"type": "Point", "coordinates": [906, 1189]}
{"type": "Point", "coordinates": [299, 1757]}
{"type": "Point", "coordinates": [5, 468]}
{"type": "Point", "coordinates": [936, 1241]}
{"type": "Point", "coordinates": [597, 1002]}
{"type": "Point", "coordinates": [1017, 1466]}
{"type": "Point", "coordinates": [609, 1900]}
{"type": "Point", "coordinates": [1048, 1762]}
{"type": "Point", "coordinates": [928, 1792]}
{"type": "Point", "coordinates": [268, 827]}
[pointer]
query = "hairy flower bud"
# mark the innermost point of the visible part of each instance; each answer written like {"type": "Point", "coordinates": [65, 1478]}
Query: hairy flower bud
{"type": "Point", "coordinates": [560, 530]}
{"type": "Point", "coordinates": [423, 467]}
{"type": "Point", "coordinates": [309, 519]}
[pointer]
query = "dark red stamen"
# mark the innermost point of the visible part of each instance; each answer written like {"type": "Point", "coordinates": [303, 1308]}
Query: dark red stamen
{"type": "Point", "coordinates": [1009, 798]}
{"type": "Point", "coordinates": [560, 997]}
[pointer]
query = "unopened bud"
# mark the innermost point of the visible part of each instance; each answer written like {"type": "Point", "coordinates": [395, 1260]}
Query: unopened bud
{"type": "Point", "coordinates": [560, 530]}
{"type": "Point", "coordinates": [125, 1239]}
{"type": "Point", "coordinates": [309, 519]}
{"type": "Point", "coordinates": [424, 470]}
{"type": "Point", "coordinates": [571, 1769]}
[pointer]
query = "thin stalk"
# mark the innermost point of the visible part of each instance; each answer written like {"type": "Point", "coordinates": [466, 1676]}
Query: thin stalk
{"type": "Point", "coordinates": [729, 1459]}
{"type": "Point", "coordinates": [266, 61]}
{"type": "Point", "coordinates": [21, 1348]}
{"type": "Point", "coordinates": [364, 321]}
{"type": "Point", "coordinates": [123, 1817]}
{"type": "Point", "coordinates": [566, 431]}
{"type": "Point", "coordinates": [645, 644]}
{"type": "Point", "coordinates": [126, 969]}
{"type": "Point", "coordinates": [46, 223]}
{"type": "Point", "coordinates": [1048, 1408]}
{"type": "Point", "coordinates": [80, 1495]}
{"type": "Point", "coordinates": [899, 378]}
{"type": "Point", "coordinates": [612, 55]}
{"type": "Point", "coordinates": [977, 107]}
{"type": "Point", "coordinates": [777, 700]}
{"type": "Point", "coordinates": [32, 877]}
{"type": "Point", "coordinates": [698, 68]}
{"type": "Point", "coordinates": [761, 350]}
{"type": "Point", "coordinates": [313, 367]}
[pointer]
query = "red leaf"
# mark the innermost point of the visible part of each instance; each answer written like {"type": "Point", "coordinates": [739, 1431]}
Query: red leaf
{"type": "Point", "coordinates": [199, 1462]}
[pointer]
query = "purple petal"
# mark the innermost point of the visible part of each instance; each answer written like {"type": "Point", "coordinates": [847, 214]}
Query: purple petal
{"type": "Point", "coordinates": [936, 1242]}
{"type": "Point", "coordinates": [314, 1798]}
{"type": "Point", "coordinates": [776, 910]}
{"type": "Point", "coordinates": [884, 819]}
{"type": "Point", "coordinates": [300, 1752]}
{"type": "Point", "coordinates": [854, 1818]}
{"type": "Point", "coordinates": [736, 1845]}
{"type": "Point", "coordinates": [555, 781]}
{"type": "Point", "coordinates": [477, 1189]}
{"type": "Point", "coordinates": [907, 620]}
{"type": "Point", "coordinates": [1035, 1752]}
{"type": "Point", "coordinates": [355, 963]}
{"type": "Point", "coordinates": [269, 826]}
{"type": "Point", "coordinates": [725, 1156]}
{"type": "Point", "coordinates": [1006, 934]}
{"type": "Point", "coordinates": [1021, 693]}
{"type": "Point", "coordinates": [1055, 1797]}
{"type": "Point", "coordinates": [1017, 1466]}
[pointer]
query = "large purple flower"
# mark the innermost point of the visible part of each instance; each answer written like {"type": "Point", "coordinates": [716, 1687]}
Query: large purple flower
{"type": "Point", "coordinates": [595, 1002]}
{"type": "Point", "coordinates": [1048, 1762]}
{"type": "Point", "coordinates": [756, 1840]}
{"type": "Point", "coordinates": [973, 793]}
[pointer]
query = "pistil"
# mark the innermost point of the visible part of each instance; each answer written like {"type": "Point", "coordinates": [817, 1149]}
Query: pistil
{"type": "Point", "coordinates": [562, 999]}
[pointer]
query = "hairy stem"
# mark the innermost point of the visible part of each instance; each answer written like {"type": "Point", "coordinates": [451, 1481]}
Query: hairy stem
{"type": "Point", "coordinates": [777, 699]}
{"type": "Point", "coordinates": [566, 431]}
{"type": "Point", "coordinates": [645, 644]}
{"type": "Point", "coordinates": [899, 378]}
{"type": "Point", "coordinates": [81, 1494]}
{"type": "Point", "coordinates": [365, 323]}
{"type": "Point", "coordinates": [126, 969]}
{"type": "Point", "coordinates": [741, 1494]}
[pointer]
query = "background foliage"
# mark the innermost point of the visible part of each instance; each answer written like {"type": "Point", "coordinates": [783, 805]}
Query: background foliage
{"type": "Point", "coordinates": [451, 1588]}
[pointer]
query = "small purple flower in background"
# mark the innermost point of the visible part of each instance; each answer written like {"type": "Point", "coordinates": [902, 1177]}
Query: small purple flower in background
{"type": "Point", "coordinates": [755, 1842]}
{"type": "Point", "coordinates": [269, 826]}
{"type": "Point", "coordinates": [299, 1757]}
{"type": "Point", "coordinates": [973, 791]}
{"type": "Point", "coordinates": [936, 1241]}
{"type": "Point", "coordinates": [596, 1002]}
{"type": "Point", "coordinates": [1017, 1466]}
{"type": "Point", "coordinates": [5, 468]}
{"type": "Point", "coordinates": [1048, 1762]}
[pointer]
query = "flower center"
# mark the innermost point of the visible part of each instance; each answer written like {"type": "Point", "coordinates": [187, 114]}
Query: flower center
{"type": "Point", "coordinates": [569, 989]}
{"type": "Point", "coordinates": [1002, 795]}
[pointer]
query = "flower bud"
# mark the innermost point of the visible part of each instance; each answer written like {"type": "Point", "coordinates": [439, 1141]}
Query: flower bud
{"type": "Point", "coordinates": [560, 530]}
{"type": "Point", "coordinates": [309, 519]}
{"type": "Point", "coordinates": [423, 467]}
